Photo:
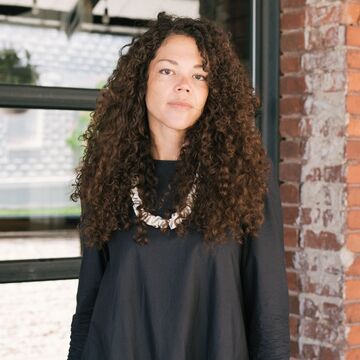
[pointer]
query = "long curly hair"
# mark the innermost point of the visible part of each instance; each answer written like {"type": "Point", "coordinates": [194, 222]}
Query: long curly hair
{"type": "Point", "coordinates": [223, 147]}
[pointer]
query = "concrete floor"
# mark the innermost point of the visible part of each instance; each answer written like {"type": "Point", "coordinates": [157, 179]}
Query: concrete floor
{"type": "Point", "coordinates": [35, 317]}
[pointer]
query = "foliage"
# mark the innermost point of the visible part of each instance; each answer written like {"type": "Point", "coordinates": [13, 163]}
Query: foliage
{"type": "Point", "coordinates": [82, 123]}
{"type": "Point", "coordinates": [13, 71]}
{"type": "Point", "coordinates": [73, 140]}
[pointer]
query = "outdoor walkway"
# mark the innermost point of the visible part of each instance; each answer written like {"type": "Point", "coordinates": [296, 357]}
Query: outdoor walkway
{"type": "Point", "coordinates": [35, 317]}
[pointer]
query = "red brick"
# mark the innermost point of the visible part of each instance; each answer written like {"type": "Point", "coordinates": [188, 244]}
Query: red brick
{"type": "Point", "coordinates": [353, 104]}
{"type": "Point", "coordinates": [291, 127]}
{"type": "Point", "coordinates": [353, 59]}
{"type": "Point", "coordinates": [293, 281]}
{"type": "Point", "coordinates": [353, 174]}
{"type": "Point", "coordinates": [293, 20]}
{"type": "Point", "coordinates": [351, 14]}
{"type": "Point", "coordinates": [289, 193]}
{"type": "Point", "coordinates": [291, 105]}
{"type": "Point", "coordinates": [294, 304]}
{"type": "Point", "coordinates": [329, 353]}
{"type": "Point", "coordinates": [323, 240]}
{"type": "Point", "coordinates": [292, 85]}
{"type": "Point", "coordinates": [290, 172]}
{"type": "Point", "coordinates": [293, 325]}
{"type": "Point", "coordinates": [292, 3]}
{"type": "Point", "coordinates": [354, 269]}
{"type": "Point", "coordinates": [289, 259]}
{"type": "Point", "coordinates": [353, 128]}
{"type": "Point", "coordinates": [353, 81]}
{"type": "Point", "coordinates": [305, 216]}
{"type": "Point", "coordinates": [290, 214]}
{"type": "Point", "coordinates": [352, 312]}
{"type": "Point", "coordinates": [353, 150]}
{"type": "Point", "coordinates": [352, 354]}
{"type": "Point", "coordinates": [324, 15]}
{"type": "Point", "coordinates": [353, 242]}
{"type": "Point", "coordinates": [293, 41]}
{"type": "Point", "coordinates": [291, 237]}
{"type": "Point", "coordinates": [352, 289]}
{"type": "Point", "coordinates": [353, 35]}
{"type": "Point", "coordinates": [294, 349]}
{"type": "Point", "coordinates": [353, 336]}
{"type": "Point", "coordinates": [291, 149]}
{"type": "Point", "coordinates": [353, 219]}
{"type": "Point", "coordinates": [353, 196]}
{"type": "Point", "coordinates": [290, 64]}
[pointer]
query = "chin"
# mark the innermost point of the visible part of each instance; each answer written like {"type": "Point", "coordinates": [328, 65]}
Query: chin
{"type": "Point", "coordinates": [180, 127]}
{"type": "Point", "coordinates": [179, 124]}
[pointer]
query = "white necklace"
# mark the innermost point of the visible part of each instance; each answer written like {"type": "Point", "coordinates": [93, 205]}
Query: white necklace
{"type": "Point", "coordinates": [157, 221]}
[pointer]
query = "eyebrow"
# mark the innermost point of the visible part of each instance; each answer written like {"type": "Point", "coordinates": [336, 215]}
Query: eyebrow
{"type": "Point", "coordinates": [175, 63]}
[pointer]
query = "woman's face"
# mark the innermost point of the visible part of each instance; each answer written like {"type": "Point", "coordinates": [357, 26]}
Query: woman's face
{"type": "Point", "coordinates": [176, 88]}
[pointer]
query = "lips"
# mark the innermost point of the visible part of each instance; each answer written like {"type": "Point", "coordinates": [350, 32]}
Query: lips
{"type": "Point", "coordinates": [180, 104]}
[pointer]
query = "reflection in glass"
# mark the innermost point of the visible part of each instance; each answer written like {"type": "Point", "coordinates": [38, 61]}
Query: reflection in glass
{"type": "Point", "coordinates": [39, 151]}
{"type": "Point", "coordinates": [85, 60]}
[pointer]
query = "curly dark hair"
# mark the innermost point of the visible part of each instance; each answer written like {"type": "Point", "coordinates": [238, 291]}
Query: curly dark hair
{"type": "Point", "coordinates": [223, 147]}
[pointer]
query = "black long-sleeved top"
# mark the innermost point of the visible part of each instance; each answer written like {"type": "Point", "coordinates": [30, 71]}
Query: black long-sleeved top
{"type": "Point", "coordinates": [174, 300]}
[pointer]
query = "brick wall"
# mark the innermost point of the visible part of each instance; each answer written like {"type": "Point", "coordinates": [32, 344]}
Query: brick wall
{"type": "Point", "coordinates": [351, 19]}
{"type": "Point", "coordinates": [320, 174]}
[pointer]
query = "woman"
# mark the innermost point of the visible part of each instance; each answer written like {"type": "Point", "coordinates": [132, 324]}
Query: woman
{"type": "Point", "coordinates": [181, 218]}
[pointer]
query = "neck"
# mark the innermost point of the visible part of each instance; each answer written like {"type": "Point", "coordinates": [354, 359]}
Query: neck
{"type": "Point", "coordinates": [166, 146]}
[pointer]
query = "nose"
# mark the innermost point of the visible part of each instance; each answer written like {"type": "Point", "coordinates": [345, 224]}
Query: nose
{"type": "Point", "coordinates": [181, 88]}
{"type": "Point", "coordinates": [183, 85]}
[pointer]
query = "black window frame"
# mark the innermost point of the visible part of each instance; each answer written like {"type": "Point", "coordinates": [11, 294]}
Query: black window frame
{"type": "Point", "coordinates": [267, 33]}
{"type": "Point", "coordinates": [44, 97]}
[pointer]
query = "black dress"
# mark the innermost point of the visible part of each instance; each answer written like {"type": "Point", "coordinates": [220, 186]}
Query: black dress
{"type": "Point", "coordinates": [173, 299]}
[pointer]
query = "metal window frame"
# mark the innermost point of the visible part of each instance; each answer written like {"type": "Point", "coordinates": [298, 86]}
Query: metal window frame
{"type": "Point", "coordinates": [42, 97]}
{"type": "Point", "coordinates": [46, 97]}
{"type": "Point", "coordinates": [266, 72]}
{"type": "Point", "coordinates": [12, 271]}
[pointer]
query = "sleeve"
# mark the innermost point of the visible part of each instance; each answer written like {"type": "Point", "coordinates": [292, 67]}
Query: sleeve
{"type": "Point", "coordinates": [91, 272]}
{"type": "Point", "coordinates": [264, 284]}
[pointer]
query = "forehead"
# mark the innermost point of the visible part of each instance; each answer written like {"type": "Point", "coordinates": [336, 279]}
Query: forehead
{"type": "Point", "coordinates": [180, 46]}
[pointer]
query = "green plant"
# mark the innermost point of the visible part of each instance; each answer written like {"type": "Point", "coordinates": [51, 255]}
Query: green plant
{"type": "Point", "coordinates": [82, 123]}
{"type": "Point", "coordinates": [73, 140]}
{"type": "Point", "coordinates": [13, 71]}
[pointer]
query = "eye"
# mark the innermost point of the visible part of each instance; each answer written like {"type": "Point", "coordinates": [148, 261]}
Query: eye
{"type": "Point", "coordinates": [165, 71]}
{"type": "Point", "coordinates": [200, 77]}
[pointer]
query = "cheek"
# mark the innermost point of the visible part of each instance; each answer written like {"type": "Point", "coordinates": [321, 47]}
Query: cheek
{"type": "Point", "coordinates": [156, 92]}
{"type": "Point", "coordinates": [203, 96]}
{"type": "Point", "coordinates": [152, 95]}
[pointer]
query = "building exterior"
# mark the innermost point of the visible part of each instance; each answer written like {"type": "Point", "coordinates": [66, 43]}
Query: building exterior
{"type": "Point", "coordinates": [320, 174]}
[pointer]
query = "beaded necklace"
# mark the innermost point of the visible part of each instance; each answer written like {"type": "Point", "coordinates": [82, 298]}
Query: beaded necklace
{"type": "Point", "coordinates": [156, 220]}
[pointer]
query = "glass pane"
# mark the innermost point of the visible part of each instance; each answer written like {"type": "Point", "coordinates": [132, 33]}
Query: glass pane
{"type": "Point", "coordinates": [46, 57]}
{"type": "Point", "coordinates": [39, 150]}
